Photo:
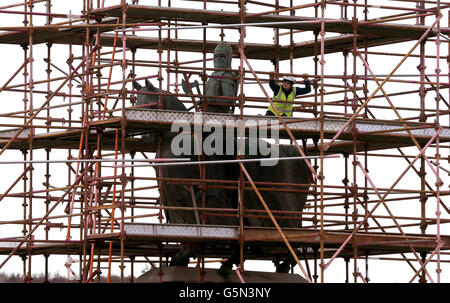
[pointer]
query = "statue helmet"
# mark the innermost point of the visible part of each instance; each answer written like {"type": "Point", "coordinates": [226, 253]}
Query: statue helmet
{"type": "Point", "coordinates": [225, 49]}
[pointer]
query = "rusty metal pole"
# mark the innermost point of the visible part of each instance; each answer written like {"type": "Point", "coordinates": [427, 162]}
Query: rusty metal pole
{"type": "Point", "coordinates": [85, 83]}
{"type": "Point", "coordinates": [123, 126]}
{"type": "Point", "coordinates": [96, 186]}
{"type": "Point", "coordinates": [159, 51]}
{"type": "Point", "coordinates": [381, 200]}
{"type": "Point", "coordinates": [241, 185]}
{"type": "Point", "coordinates": [315, 140]}
{"type": "Point", "coordinates": [69, 151]}
{"type": "Point", "coordinates": [24, 150]}
{"type": "Point", "coordinates": [202, 168]}
{"type": "Point", "coordinates": [276, 43]}
{"type": "Point", "coordinates": [47, 149]}
{"type": "Point", "coordinates": [345, 181]}
{"type": "Point", "coordinates": [448, 66]}
{"type": "Point", "coordinates": [421, 67]}
{"type": "Point", "coordinates": [439, 182]}
{"type": "Point", "coordinates": [30, 137]}
{"type": "Point", "coordinates": [169, 50]}
{"type": "Point", "coordinates": [132, 258]}
{"type": "Point", "coordinates": [25, 178]}
{"type": "Point", "coordinates": [380, 86]}
{"type": "Point", "coordinates": [346, 208]}
{"type": "Point", "coordinates": [285, 240]}
{"type": "Point", "coordinates": [366, 114]}
{"type": "Point", "coordinates": [422, 92]}
{"type": "Point", "coordinates": [133, 154]}
{"type": "Point", "coordinates": [291, 42]}
{"type": "Point", "coordinates": [355, 136]}
{"type": "Point", "coordinates": [322, 140]}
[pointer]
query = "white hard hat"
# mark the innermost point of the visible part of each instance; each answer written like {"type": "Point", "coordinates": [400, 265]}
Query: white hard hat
{"type": "Point", "coordinates": [289, 78]}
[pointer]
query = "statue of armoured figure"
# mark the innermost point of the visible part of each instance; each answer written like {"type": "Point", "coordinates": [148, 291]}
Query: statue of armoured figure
{"type": "Point", "coordinates": [222, 83]}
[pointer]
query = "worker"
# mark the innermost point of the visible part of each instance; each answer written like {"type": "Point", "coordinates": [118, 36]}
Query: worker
{"type": "Point", "coordinates": [286, 92]}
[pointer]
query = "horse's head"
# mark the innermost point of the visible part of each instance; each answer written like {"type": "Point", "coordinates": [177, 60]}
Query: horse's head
{"type": "Point", "coordinates": [148, 97]}
{"type": "Point", "coordinates": [148, 94]}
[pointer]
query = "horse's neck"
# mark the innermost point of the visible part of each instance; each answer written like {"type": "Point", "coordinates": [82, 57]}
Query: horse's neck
{"type": "Point", "coordinates": [164, 144]}
{"type": "Point", "coordinates": [169, 102]}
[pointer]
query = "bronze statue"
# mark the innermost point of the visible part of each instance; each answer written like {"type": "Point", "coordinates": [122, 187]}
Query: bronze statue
{"type": "Point", "coordinates": [174, 194]}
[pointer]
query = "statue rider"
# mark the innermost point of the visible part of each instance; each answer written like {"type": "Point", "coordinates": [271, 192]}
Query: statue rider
{"type": "Point", "coordinates": [222, 83]}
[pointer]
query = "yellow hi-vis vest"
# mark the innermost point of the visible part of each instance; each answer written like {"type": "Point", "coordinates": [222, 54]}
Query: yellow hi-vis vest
{"type": "Point", "coordinates": [283, 107]}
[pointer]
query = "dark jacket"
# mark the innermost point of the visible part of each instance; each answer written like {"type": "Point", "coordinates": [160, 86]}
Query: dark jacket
{"type": "Point", "coordinates": [299, 91]}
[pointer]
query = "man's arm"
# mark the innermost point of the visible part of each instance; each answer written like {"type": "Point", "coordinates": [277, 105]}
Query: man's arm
{"type": "Point", "coordinates": [303, 90]}
{"type": "Point", "coordinates": [273, 85]}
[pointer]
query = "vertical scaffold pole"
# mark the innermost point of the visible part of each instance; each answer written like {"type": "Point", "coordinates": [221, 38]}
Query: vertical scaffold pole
{"type": "Point", "coordinates": [48, 149]}
{"type": "Point", "coordinates": [242, 35]}
{"type": "Point", "coordinates": [438, 156]}
{"type": "Point", "coordinates": [422, 118]}
{"type": "Point", "coordinates": [355, 133]}
{"type": "Point", "coordinates": [123, 125]}
{"type": "Point", "coordinates": [366, 158]}
{"type": "Point", "coordinates": [345, 181]}
{"type": "Point", "coordinates": [30, 137]}
{"type": "Point", "coordinates": [322, 143]}
{"type": "Point", "coordinates": [315, 140]}
{"type": "Point", "coordinates": [85, 83]}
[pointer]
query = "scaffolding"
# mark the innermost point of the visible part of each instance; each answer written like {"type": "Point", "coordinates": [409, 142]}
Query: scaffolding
{"type": "Point", "coordinates": [73, 147]}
